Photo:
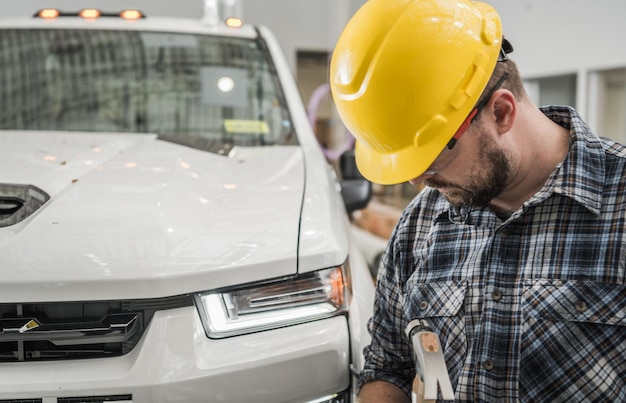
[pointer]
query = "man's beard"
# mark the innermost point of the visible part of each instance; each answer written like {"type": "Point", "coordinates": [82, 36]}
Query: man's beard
{"type": "Point", "coordinates": [485, 185]}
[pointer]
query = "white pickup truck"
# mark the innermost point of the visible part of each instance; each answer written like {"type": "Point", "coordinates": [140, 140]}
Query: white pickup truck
{"type": "Point", "coordinates": [170, 230]}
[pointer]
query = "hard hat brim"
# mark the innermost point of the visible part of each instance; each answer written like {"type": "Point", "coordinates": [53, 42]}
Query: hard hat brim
{"type": "Point", "coordinates": [397, 167]}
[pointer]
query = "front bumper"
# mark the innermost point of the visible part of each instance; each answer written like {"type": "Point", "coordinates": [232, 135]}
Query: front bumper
{"type": "Point", "coordinates": [176, 362]}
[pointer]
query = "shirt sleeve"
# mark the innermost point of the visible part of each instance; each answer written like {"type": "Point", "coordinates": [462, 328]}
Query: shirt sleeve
{"type": "Point", "coordinates": [389, 355]}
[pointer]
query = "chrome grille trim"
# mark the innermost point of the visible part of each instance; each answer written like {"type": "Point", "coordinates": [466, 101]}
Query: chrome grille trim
{"type": "Point", "coordinates": [77, 330]}
{"type": "Point", "coordinates": [115, 328]}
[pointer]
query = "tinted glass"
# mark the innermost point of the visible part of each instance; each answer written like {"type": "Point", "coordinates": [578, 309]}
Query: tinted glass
{"type": "Point", "coordinates": [197, 90]}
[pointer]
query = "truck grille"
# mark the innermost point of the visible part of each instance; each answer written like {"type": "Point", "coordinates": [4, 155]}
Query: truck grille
{"type": "Point", "coordinates": [77, 330]}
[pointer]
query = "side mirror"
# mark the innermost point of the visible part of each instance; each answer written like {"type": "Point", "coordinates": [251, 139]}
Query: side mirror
{"type": "Point", "coordinates": [355, 189]}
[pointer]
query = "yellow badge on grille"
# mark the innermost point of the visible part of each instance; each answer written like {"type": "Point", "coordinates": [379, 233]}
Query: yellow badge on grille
{"type": "Point", "coordinates": [30, 325]}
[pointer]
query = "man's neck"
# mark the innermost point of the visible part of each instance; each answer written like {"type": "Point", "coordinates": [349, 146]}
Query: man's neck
{"type": "Point", "coordinates": [544, 146]}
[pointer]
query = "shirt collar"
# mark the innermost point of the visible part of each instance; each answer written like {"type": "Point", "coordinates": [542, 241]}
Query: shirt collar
{"type": "Point", "coordinates": [580, 176]}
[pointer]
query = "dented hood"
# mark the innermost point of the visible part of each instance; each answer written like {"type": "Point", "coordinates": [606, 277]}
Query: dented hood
{"type": "Point", "coordinates": [131, 216]}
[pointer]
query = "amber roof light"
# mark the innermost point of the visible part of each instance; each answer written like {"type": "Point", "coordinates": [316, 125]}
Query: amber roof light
{"type": "Point", "coordinates": [48, 13]}
{"type": "Point", "coordinates": [89, 13]}
{"type": "Point", "coordinates": [131, 14]}
{"type": "Point", "coordinates": [234, 22]}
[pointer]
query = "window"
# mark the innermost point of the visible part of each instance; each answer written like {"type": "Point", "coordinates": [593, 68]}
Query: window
{"type": "Point", "coordinates": [198, 90]}
{"type": "Point", "coordinates": [608, 102]}
{"type": "Point", "coordinates": [556, 90]}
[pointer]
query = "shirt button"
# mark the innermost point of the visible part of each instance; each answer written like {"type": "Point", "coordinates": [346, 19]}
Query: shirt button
{"type": "Point", "coordinates": [423, 305]}
{"type": "Point", "coordinates": [504, 233]}
{"type": "Point", "coordinates": [488, 365]}
{"type": "Point", "coordinates": [496, 295]}
{"type": "Point", "coordinates": [581, 306]}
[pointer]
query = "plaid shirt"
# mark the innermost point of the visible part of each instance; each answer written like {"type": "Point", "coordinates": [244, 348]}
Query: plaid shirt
{"type": "Point", "coordinates": [531, 308]}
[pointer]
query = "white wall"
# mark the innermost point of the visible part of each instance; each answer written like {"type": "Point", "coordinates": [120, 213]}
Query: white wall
{"type": "Point", "coordinates": [564, 36]}
{"type": "Point", "coordinates": [555, 37]}
{"type": "Point", "coordinates": [301, 24]}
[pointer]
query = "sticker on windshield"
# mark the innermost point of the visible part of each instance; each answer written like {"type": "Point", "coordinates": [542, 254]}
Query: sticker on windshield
{"type": "Point", "coordinates": [246, 126]}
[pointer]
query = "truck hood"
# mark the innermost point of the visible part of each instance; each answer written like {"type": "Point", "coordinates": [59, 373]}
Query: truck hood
{"type": "Point", "coordinates": [131, 216]}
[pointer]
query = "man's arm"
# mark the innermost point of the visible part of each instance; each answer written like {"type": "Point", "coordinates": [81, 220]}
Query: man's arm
{"type": "Point", "coordinates": [382, 392]}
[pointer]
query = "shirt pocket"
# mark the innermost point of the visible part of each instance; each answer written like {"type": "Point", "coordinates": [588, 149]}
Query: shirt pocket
{"type": "Point", "coordinates": [573, 336]}
{"type": "Point", "coordinates": [575, 301]}
{"type": "Point", "coordinates": [441, 305]}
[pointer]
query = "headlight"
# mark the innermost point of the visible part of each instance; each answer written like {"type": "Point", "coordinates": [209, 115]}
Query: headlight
{"type": "Point", "coordinates": [289, 301]}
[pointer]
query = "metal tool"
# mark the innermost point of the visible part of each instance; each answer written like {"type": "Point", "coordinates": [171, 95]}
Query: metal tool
{"type": "Point", "coordinates": [430, 365]}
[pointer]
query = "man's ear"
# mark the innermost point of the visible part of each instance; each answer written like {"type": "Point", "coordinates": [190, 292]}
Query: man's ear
{"type": "Point", "coordinates": [504, 109]}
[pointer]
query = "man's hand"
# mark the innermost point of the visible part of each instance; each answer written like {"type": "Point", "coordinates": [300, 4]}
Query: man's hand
{"type": "Point", "coordinates": [382, 392]}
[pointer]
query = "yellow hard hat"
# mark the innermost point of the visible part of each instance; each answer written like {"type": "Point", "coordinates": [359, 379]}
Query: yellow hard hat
{"type": "Point", "coordinates": [405, 74]}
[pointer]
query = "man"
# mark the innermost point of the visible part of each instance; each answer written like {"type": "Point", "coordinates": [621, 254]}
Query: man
{"type": "Point", "coordinates": [515, 252]}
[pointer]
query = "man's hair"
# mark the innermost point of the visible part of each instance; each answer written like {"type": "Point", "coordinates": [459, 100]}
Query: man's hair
{"type": "Point", "coordinates": [513, 81]}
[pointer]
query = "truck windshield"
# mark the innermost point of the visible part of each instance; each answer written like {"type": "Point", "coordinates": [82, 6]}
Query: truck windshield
{"type": "Point", "coordinates": [199, 90]}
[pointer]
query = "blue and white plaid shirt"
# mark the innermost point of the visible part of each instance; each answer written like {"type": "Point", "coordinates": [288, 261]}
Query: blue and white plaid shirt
{"type": "Point", "coordinates": [529, 309]}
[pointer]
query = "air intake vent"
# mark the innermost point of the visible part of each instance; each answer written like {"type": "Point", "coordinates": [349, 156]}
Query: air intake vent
{"type": "Point", "coordinates": [18, 202]}
{"type": "Point", "coordinates": [10, 205]}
